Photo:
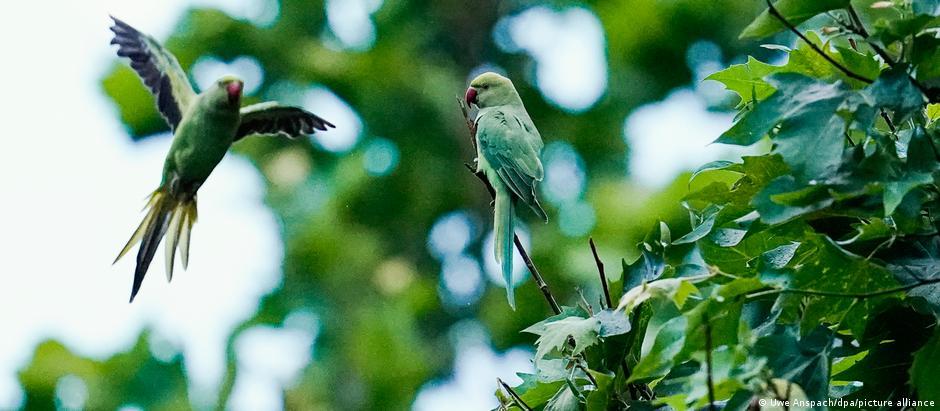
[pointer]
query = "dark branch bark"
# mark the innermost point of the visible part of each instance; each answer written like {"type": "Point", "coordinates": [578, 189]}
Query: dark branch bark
{"type": "Point", "coordinates": [708, 365]}
{"type": "Point", "coordinates": [512, 394]}
{"type": "Point", "coordinates": [776, 13]}
{"type": "Point", "coordinates": [860, 296]}
{"type": "Point", "coordinates": [859, 29]}
{"type": "Point", "coordinates": [600, 271]}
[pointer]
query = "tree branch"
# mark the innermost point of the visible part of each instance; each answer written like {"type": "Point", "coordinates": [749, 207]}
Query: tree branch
{"type": "Point", "coordinates": [543, 286]}
{"type": "Point", "coordinates": [708, 365]}
{"type": "Point", "coordinates": [858, 28]}
{"type": "Point", "coordinates": [776, 13]}
{"type": "Point", "coordinates": [637, 390]}
{"type": "Point", "coordinates": [859, 296]}
{"type": "Point", "coordinates": [600, 271]}
{"type": "Point", "coordinates": [512, 394]}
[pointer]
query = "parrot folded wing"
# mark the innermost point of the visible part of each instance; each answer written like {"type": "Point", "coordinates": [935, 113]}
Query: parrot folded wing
{"type": "Point", "coordinates": [157, 68]}
{"type": "Point", "coordinates": [514, 154]}
{"type": "Point", "coordinates": [273, 119]}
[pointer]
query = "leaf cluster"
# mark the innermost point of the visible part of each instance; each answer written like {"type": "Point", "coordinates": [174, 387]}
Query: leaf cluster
{"type": "Point", "coordinates": [812, 270]}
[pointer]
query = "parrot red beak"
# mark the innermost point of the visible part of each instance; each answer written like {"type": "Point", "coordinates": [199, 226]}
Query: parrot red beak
{"type": "Point", "coordinates": [234, 90]}
{"type": "Point", "coordinates": [471, 96]}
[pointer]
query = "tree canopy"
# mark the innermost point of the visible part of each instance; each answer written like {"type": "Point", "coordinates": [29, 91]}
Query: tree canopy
{"type": "Point", "coordinates": [805, 270]}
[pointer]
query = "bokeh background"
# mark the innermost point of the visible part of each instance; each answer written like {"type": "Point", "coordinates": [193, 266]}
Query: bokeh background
{"type": "Point", "coordinates": [351, 270]}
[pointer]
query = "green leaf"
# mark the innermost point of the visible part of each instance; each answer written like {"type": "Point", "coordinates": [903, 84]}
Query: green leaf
{"type": "Point", "coordinates": [784, 199]}
{"type": "Point", "coordinates": [895, 91]}
{"type": "Point", "coordinates": [648, 267]}
{"type": "Point", "coordinates": [887, 31]}
{"type": "Point", "coordinates": [805, 60]}
{"type": "Point", "coordinates": [926, 369]}
{"type": "Point", "coordinates": [747, 81]}
{"type": "Point", "coordinates": [915, 261]}
{"type": "Point", "coordinates": [613, 323]}
{"type": "Point", "coordinates": [675, 289]}
{"type": "Point", "coordinates": [741, 258]}
{"type": "Point", "coordinates": [863, 64]}
{"type": "Point", "coordinates": [599, 398]}
{"type": "Point", "coordinates": [700, 230]}
{"type": "Point", "coordinates": [804, 361]}
{"type": "Point", "coordinates": [668, 342]}
{"type": "Point", "coordinates": [821, 265]}
{"type": "Point", "coordinates": [722, 165]}
{"type": "Point", "coordinates": [933, 112]}
{"type": "Point", "coordinates": [807, 109]}
{"type": "Point", "coordinates": [564, 400]}
{"type": "Point", "coordinates": [795, 11]}
{"type": "Point", "coordinates": [535, 392]}
{"type": "Point", "coordinates": [896, 190]}
{"type": "Point", "coordinates": [921, 156]}
{"type": "Point", "coordinates": [925, 55]}
{"type": "Point", "coordinates": [554, 334]}
{"type": "Point", "coordinates": [892, 337]}
{"type": "Point", "coordinates": [552, 370]}
{"type": "Point", "coordinates": [873, 229]}
{"type": "Point", "coordinates": [732, 370]}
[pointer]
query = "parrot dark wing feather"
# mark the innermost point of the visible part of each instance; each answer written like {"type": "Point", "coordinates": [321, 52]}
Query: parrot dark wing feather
{"type": "Point", "coordinates": [523, 186]}
{"type": "Point", "coordinates": [158, 69]}
{"type": "Point", "coordinates": [274, 119]}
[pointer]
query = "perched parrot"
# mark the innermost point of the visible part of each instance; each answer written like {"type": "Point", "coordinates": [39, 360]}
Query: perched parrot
{"type": "Point", "coordinates": [204, 126]}
{"type": "Point", "coordinates": [508, 150]}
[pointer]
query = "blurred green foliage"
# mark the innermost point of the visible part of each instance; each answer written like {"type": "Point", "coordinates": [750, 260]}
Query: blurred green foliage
{"type": "Point", "coordinates": [379, 344]}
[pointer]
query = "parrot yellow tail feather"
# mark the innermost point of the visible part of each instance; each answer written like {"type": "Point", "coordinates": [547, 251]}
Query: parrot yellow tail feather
{"type": "Point", "coordinates": [166, 215]}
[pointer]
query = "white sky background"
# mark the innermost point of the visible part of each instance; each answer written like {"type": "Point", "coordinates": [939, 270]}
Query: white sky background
{"type": "Point", "coordinates": [74, 183]}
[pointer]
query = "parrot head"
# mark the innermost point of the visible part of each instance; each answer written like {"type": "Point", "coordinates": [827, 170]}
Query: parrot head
{"type": "Point", "coordinates": [227, 92]}
{"type": "Point", "coordinates": [491, 89]}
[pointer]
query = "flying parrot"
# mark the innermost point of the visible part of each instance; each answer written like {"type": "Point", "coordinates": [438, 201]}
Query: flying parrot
{"type": "Point", "coordinates": [508, 150]}
{"type": "Point", "coordinates": [204, 126]}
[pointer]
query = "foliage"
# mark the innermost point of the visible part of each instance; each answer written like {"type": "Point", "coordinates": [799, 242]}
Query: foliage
{"type": "Point", "coordinates": [355, 244]}
{"type": "Point", "coordinates": [812, 274]}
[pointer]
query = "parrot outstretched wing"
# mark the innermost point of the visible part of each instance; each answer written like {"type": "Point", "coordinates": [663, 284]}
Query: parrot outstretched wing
{"type": "Point", "coordinates": [158, 69]}
{"type": "Point", "coordinates": [273, 119]}
{"type": "Point", "coordinates": [511, 146]}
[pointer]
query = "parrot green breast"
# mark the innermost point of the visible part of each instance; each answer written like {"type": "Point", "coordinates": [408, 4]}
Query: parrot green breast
{"type": "Point", "coordinates": [201, 140]}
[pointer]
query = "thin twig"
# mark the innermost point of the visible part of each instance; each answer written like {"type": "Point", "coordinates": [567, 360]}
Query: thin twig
{"type": "Point", "coordinates": [515, 397]}
{"type": "Point", "coordinates": [489, 188]}
{"type": "Point", "coordinates": [536, 276]}
{"type": "Point", "coordinates": [890, 123]}
{"type": "Point", "coordinates": [600, 271]}
{"type": "Point", "coordinates": [859, 28]}
{"type": "Point", "coordinates": [708, 365]}
{"type": "Point", "coordinates": [860, 296]}
{"type": "Point", "coordinates": [585, 371]}
{"type": "Point", "coordinates": [776, 13]}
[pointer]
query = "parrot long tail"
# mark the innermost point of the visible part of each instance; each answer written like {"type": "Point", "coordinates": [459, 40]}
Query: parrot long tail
{"type": "Point", "coordinates": [166, 215]}
{"type": "Point", "coordinates": [503, 237]}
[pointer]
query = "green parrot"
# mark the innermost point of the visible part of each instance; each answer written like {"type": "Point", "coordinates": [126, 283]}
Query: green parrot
{"type": "Point", "coordinates": [508, 150]}
{"type": "Point", "coordinates": [204, 126]}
